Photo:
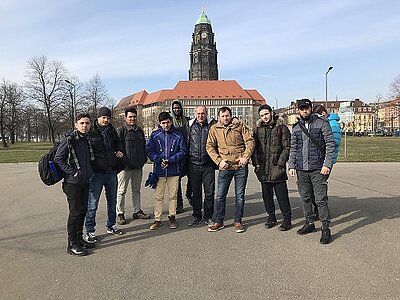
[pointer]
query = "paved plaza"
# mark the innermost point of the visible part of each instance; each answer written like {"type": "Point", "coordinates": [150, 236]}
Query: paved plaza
{"type": "Point", "coordinates": [362, 262]}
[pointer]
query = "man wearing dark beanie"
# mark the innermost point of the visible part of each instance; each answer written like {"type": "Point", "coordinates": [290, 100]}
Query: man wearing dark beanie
{"type": "Point", "coordinates": [166, 148]}
{"type": "Point", "coordinates": [107, 149]}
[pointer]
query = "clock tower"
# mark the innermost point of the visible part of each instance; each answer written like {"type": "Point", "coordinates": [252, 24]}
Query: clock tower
{"type": "Point", "coordinates": [203, 51]}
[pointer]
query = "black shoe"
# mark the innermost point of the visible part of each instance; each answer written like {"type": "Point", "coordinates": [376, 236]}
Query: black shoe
{"type": "Point", "coordinates": [307, 228]}
{"type": "Point", "coordinates": [86, 245]}
{"type": "Point", "coordinates": [271, 222]}
{"type": "Point", "coordinates": [179, 210]}
{"type": "Point", "coordinates": [326, 236]}
{"type": "Point", "coordinates": [141, 215]}
{"type": "Point", "coordinates": [195, 222]}
{"type": "Point", "coordinates": [286, 225]}
{"type": "Point", "coordinates": [77, 250]}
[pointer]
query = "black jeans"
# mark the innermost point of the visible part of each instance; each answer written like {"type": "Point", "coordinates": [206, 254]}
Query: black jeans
{"type": "Point", "coordinates": [202, 175]}
{"type": "Point", "coordinates": [77, 197]}
{"type": "Point", "coordinates": [282, 196]}
{"type": "Point", "coordinates": [179, 197]}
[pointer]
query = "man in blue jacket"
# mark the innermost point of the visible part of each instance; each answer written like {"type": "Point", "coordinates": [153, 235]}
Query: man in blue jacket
{"type": "Point", "coordinates": [311, 155]}
{"type": "Point", "coordinates": [166, 148]}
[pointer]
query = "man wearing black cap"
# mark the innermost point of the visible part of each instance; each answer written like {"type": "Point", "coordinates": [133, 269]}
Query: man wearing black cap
{"type": "Point", "coordinates": [311, 157]}
{"type": "Point", "coordinates": [107, 149]}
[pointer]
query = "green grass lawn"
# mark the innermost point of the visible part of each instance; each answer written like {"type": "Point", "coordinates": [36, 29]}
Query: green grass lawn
{"type": "Point", "coordinates": [370, 149]}
{"type": "Point", "coordinates": [23, 152]}
{"type": "Point", "coordinates": [359, 149]}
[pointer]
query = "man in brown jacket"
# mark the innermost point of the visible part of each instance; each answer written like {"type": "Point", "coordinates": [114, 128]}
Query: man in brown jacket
{"type": "Point", "coordinates": [230, 146]}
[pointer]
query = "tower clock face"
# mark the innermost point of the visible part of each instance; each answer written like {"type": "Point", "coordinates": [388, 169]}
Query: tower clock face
{"type": "Point", "coordinates": [204, 35]}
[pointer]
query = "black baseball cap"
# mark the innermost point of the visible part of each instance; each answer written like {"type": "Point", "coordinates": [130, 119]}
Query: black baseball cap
{"type": "Point", "coordinates": [304, 102]}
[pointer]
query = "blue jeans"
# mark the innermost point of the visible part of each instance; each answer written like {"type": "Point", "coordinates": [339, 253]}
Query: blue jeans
{"type": "Point", "coordinates": [96, 183]}
{"type": "Point", "coordinates": [224, 181]}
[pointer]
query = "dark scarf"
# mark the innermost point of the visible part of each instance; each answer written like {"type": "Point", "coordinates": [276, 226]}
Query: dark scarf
{"type": "Point", "coordinates": [106, 136]}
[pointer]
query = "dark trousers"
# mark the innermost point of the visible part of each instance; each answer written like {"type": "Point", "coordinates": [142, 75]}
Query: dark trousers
{"type": "Point", "coordinates": [179, 199]}
{"type": "Point", "coordinates": [282, 195]}
{"type": "Point", "coordinates": [309, 183]}
{"type": "Point", "coordinates": [77, 197]}
{"type": "Point", "coordinates": [202, 176]}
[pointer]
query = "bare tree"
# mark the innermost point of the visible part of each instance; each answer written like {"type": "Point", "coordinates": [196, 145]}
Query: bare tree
{"type": "Point", "coordinates": [94, 95]}
{"type": "Point", "coordinates": [46, 85]}
{"type": "Point", "coordinates": [3, 108]}
{"type": "Point", "coordinates": [394, 89]}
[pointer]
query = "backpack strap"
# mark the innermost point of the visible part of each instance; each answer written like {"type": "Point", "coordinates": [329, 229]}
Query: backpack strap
{"type": "Point", "coordinates": [304, 129]}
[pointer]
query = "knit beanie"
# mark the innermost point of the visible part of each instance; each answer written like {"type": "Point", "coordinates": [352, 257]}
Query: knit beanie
{"type": "Point", "coordinates": [104, 112]}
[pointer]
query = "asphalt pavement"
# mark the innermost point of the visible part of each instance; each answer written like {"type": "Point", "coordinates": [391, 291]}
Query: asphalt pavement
{"type": "Point", "coordinates": [362, 262]}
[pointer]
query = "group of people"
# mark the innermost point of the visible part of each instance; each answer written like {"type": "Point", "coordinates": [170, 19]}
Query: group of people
{"type": "Point", "coordinates": [196, 148]}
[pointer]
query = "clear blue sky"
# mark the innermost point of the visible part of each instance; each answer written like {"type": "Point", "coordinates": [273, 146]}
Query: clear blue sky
{"type": "Point", "coordinates": [281, 48]}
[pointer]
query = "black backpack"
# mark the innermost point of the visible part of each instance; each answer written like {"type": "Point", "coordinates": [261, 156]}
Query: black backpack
{"type": "Point", "coordinates": [49, 171]}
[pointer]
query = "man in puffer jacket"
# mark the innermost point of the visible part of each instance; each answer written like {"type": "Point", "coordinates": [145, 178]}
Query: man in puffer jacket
{"type": "Point", "coordinates": [269, 160]}
{"type": "Point", "coordinates": [311, 155]}
{"type": "Point", "coordinates": [166, 148]}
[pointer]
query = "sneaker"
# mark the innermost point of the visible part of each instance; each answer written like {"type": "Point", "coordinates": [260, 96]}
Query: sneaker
{"type": "Point", "coordinates": [155, 225]}
{"type": "Point", "coordinates": [172, 222]}
{"type": "Point", "coordinates": [195, 222]}
{"type": "Point", "coordinates": [84, 244]}
{"type": "Point", "coordinates": [326, 236]}
{"type": "Point", "coordinates": [239, 228]}
{"type": "Point", "coordinates": [114, 230]}
{"type": "Point", "coordinates": [271, 222]}
{"type": "Point", "coordinates": [307, 228]}
{"type": "Point", "coordinates": [141, 215]}
{"type": "Point", "coordinates": [91, 237]}
{"type": "Point", "coordinates": [121, 219]}
{"type": "Point", "coordinates": [209, 222]}
{"type": "Point", "coordinates": [215, 227]}
{"type": "Point", "coordinates": [286, 225]}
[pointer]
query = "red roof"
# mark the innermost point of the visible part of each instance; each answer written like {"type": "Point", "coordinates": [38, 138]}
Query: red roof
{"type": "Point", "coordinates": [205, 89]}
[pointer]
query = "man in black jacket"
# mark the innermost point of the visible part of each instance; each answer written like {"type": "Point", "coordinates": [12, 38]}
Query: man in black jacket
{"type": "Point", "coordinates": [181, 124]}
{"type": "Point", "coordinates": [201, 168]}
{"type": "Point", "coordinates": [269, 160]}
{"type": "Point", "coordinates": [74, 156]}
{"type": "Point", "coordinates": [134, 143]}
{"type": "Point", "coordinates": [107, 150]}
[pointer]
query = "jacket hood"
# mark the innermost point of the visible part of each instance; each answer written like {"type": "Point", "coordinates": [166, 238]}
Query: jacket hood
{"type": "Point", "coordinates": [333, 116]}
{"type": "Point", "coordinates": [276, 119]}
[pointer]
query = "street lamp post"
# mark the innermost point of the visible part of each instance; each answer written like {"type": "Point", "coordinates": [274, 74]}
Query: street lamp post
{"type": "Point", "coordinates": [73, 99]}
{"type": "Point", "coordinates": [326, 88]}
